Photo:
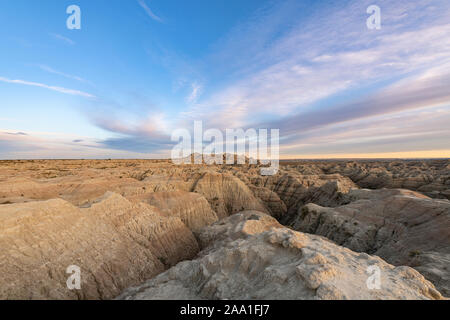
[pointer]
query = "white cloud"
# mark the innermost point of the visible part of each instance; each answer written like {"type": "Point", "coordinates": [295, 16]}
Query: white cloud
{"type": "Point", "coordinates": [395, 76]}
{"type": "Point", "coordinates": [65, 75]}
{"type": "Point", "coordinates": [418, 130]}
{"type": "Point", "coordinates": [329, 54]}
{"type": "Point", "coordinates": [149, 11]}
{"type": "Point", "coordinates": [196, 90]}
{"type": "Point", "coordinates": [53, 88]}
{"type": "Point", "coordinates": [41, 145]}
{"type": "Point", "coordinates": [65, 39]}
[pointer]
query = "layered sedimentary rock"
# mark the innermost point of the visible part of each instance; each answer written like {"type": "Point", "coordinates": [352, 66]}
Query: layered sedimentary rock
{"type": "Point", "coordinates": [80, 191]}
{"type": "Point", "coordinates": [146, 224]}
{"type": "Point", "coordinates": [115, 243]}
{"type": "Point", "coordinates": [297, 189]}
{"type": "Point", "coordinates": [275, 206]}
{"type": "Point", "coordinates": [250, 256]}
{"type": "Point", "coordinates": [226, 194]}
{"type": "Point", "coordinates": [192, 208]}
{"type": "Point", "coordinates": [403, 227]}
{"type": "Point", "coordinates": [431, 177]}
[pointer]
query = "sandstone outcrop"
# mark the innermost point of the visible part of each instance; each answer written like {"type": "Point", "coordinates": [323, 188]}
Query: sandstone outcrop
{"type": "Point", "coordinates": [296, 189]}
{"type": "Point", "coordinates": [226, 194]}
{"type": "Point", "coordinates": [275, 206]}
{"type": "Point", "coordinates": [192, 208]}
{"type": "Point", "coordinates": [250, 256]}
{"type": "Point", "coordinates": [403, 227]}
{"type": "Point", "coordinates": [114, 242]}
{"type": "Point", "coordinates": [431, 177]}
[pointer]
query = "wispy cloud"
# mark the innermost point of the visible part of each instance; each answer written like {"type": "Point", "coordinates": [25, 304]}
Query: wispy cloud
{"type": "Point", "coordinates": [331, 53]}
{"type": "Point", "coordinates": [16, 133]}
{"type": "Point", "coordinates": [53, 88]}
{"type": "Point", "coordinates": [65, 75]}
{"type": "Point", "coordinates": [412, 114]}
{"type": "Point", "coordinates": [291, 80]}
{"type": "Point", "coordinates": [62, 38]}
{"type": "Point", "coordinates": [425, 90]}
{"type": "Point", "coordinates": [144, 135]}
{"type": "Point", "coordinates": [149, 11]}
{"type": "Point", "coordinates": [152, 127]}
{"type": "Point", "coordinates": [39, 145]}
{"type": "Point", "coordinates": [196, 90]}
{"type": "Point", "coordinates": [327, 82]}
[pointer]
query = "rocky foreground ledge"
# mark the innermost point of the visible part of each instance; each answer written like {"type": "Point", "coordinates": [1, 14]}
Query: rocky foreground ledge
{"type": "Point", "coordinates": [250, 256]}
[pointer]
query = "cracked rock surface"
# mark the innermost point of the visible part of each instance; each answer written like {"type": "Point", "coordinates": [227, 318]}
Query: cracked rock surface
{"type": "Point", "coordinates": [251, 256]}
{"type": "Point", "coordinates": [115, 243]}
{"type": "Point", "coordinates": [403, 227]}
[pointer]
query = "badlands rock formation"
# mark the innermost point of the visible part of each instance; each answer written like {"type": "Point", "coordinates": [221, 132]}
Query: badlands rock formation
{"type": "Point", "coordinates": [114, 242]}
{"type": "Point", "coordinates": [296, 189]}
{"type": "Point", "coordinates": [123, 222]}
{"type": "Point", "coordinates": [431, 177]}
{"type": "Point", "coordinates": [192, 208]}
{"type": "Point", "coordinates": [227, 194]}
{"type": "Point", "coordinates": [403, 227]}
{"type": "Point", "coordinates": [251, 256]}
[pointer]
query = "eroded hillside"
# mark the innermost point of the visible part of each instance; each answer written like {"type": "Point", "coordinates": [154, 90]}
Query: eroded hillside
{"type": "Point", "coordinates": [124, 222]}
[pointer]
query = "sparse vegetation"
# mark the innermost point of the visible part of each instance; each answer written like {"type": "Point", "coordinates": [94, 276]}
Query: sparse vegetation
{"type": "Point", "coordinates": [415, 253]}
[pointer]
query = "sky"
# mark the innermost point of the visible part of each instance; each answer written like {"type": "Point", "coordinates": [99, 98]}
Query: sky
{"type": "Point", "coordinates": [139, 69]}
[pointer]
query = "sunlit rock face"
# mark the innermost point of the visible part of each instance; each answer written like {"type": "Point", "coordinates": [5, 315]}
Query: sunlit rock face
{"type": "Point", "coordinates": [251, 256]}
{"type": "Point", "coordinates": [115, 243]}
{"type": "Point", "coordinates": [403, 227]}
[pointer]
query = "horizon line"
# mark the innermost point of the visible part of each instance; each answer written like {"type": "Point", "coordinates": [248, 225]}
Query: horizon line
{"type": "Point", "coordinates": [168, 159]}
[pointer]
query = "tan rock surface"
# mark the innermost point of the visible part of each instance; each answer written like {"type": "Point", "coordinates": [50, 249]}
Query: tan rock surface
{"type": "Point", "coordinates": [119, 241]}
{"type": "Point", "coordinates": [114, 242]}
{"type": "Point", "coordinates": [251, 256]}
{"type": "Point", "coordinates": [403, 227]}
{"type": "Point", "coordinates": [429, 176]}
{"type": "Point", "coordinates": [227, 194]}
{"type": "Point", "coordinates": [192, 208]}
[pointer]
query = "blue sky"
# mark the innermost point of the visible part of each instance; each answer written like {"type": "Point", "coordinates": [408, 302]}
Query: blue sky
{"type": "Point", "coordinates": [139, 69]}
